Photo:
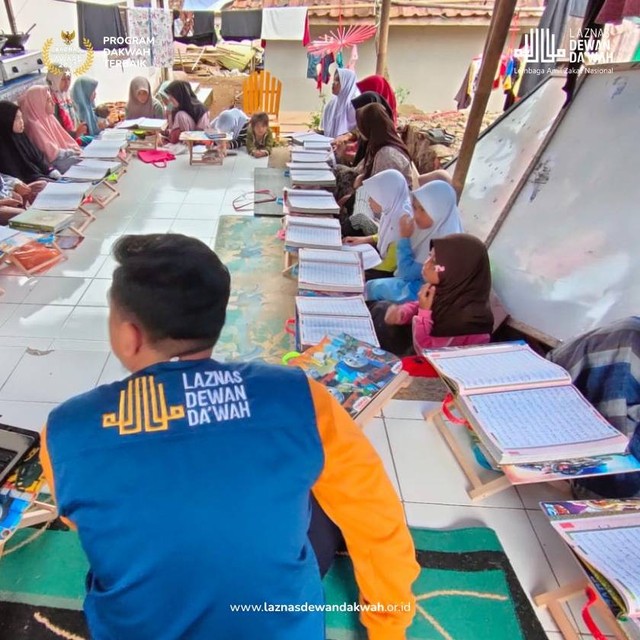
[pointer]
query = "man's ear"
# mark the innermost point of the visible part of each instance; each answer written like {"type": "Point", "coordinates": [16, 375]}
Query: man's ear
{"type": "Point", "coordinates": [131, 339]}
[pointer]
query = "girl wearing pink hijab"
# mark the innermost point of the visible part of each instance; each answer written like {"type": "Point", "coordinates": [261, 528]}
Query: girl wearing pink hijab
{"type": "Point", "coordinates": [44, 130]}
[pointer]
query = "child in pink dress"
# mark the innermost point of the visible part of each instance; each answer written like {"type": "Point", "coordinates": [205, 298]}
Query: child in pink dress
{"type": "Point", "coordinates": [453, 307]}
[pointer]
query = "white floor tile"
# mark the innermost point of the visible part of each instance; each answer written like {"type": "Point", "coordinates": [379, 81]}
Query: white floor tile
{"type": "Point", "coordinates": [150, 210]}
{"type": "Point", "coordinates": [62, 344]}
{"type": "Point", "coordinates": [212, 196]}
{"type": "Point", "coordinates": [427, 470]}
{"type": "Point", "coordinates": [87, 323]}
{"type": "Point", "coordinates": [36, 321]}
{"type": "Point", "coordinates": [38, 344]}
{"type": "Point", "coordinates": [152, 225]}
{"type": "Point", "coordinates": [113, 371]}
{"type": "Point", "coordinates": [203, 229]}
{"type": "Point", "coordinates": [7, 309]}
{"type": "Point", "coordinates": [96, 294]}
{"type": "Point", "coordinates": [54, 377]}
{"type": "Point", "coordinates": [9, 358]}
{"type": "Point", "coordinates": [516, 536]}
{"type": "Point", "coordinates": [377, 434]}
{"type": "Point", "coordinates": [408, 409]}
{"type": "Point", "coordinates": [207, 211]}
{"type": "Point", "coordinates": [168, 196]}
{"type": "Point", "coordinates": [57, 291]}
{"type": "Point", "coordinates": [83, 262]}
{"type": "Point", "coordinates": [107, 269]}
{"type": "Point", "coordinates": [16, 288]}
{"type": "Point", "coordinates": [25, 415]}
{"type": "Point", "coordinates": [107, 225]}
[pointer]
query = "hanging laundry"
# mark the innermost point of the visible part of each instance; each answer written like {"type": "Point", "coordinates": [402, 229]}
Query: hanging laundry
{"type": "Point", "coordinates": [98, 22]}
{"type": "Point", "coordinates": [241, 25]}
{"type": "Point", "coordinates": [155, 27]}
{"type": "Point", "coordinates": [313, 66]}
{"type": "Point", "coordinates": [194, 27]}
{"type": "Point", "coordinates": [339, 60]}
{"type": "Point", "coordinates": [286, 23]}
{"type": "Point", "coordinates": [470, 81]}
{"type": "Point", "coordinates": [616, 10]}
{"type": "Point", "coordinates": [199, 5]}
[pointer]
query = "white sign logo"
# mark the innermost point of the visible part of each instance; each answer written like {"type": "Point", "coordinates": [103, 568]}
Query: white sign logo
{"type": "Point", "coordinates": [587, 47]}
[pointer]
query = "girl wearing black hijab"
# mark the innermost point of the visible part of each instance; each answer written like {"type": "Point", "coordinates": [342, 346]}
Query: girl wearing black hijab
{"type": "Point", "coordinates": [19, 157]}
{"type": "Point", "coordinates": [186, 112]}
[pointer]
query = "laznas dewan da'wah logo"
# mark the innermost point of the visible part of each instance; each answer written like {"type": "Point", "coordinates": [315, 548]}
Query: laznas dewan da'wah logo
{"type": "Point", "coordinates": [585, 48]}
{"type": "Point", "coordinates": [57, 57]}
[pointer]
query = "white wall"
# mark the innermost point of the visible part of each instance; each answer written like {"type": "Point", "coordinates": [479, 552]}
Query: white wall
{"type": "Point", "coordinates": [428, 61]}
{"type": "Point", "coordinates": [53, 17]}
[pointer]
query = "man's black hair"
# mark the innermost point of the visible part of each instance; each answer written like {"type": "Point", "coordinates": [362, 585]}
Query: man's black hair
{"type": "Point", "coordinates": [175, 286]}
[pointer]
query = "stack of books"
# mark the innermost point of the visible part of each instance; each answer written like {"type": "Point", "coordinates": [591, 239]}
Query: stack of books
{"type": "Point", "coordinates": [40, 221]}
{"type": "Point", "coordinates": [523, 408]}
{"type": "Point", "coordinates": [91, 170]}
{"type": "Point", "coordinates": [313, 178]}
{"type": "Point", "coordinates": [310, 201]}
{"type": "Point", "coordinates": [318, 317]}
{"type": "Point", "coordinates": [107, 148]}
{"type": "Point", "coordinates": [604, 535]}
{"type": "Point", "coordinates": [305, 157]}
{"type": "Point", "coordinates": [61, 196]}
{"type": "Point", "coordinates": [310, 137]}
{"type": "Point", "coordinates": [329, 271]}
{"type": "Point", "coordinates": [306, 231]}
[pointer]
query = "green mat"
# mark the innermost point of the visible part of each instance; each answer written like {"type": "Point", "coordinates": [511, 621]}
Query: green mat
{"type": "Point", "coordinates": [466, 590]}
{"type": "Point", "coordinates": [261, 298]}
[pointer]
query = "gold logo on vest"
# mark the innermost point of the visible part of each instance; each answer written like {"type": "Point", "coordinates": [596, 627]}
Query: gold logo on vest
{"type": "Point", "coordinates": [143, 408]}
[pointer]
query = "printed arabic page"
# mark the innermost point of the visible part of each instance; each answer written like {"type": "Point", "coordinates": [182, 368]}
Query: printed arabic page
{"type": "Point", "coordinates": [326, 273]}
{"type": "Point", "coordinates": [491, 368]}
{"type": "Point", "coordinates": [314, 328]}
{"type": "Point", "coordinates": [329, 306]}
{"type": "Point", "coordinates": [537, 418]}
{"type": "Point", "coordinates": [321, 255]}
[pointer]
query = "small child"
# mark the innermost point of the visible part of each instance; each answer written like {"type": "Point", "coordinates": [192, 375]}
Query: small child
{"type": "Point", "coordinates": [259, 136]}
{"type": "Point", "coordinates": [453, 308]}
{"type": "Point", "coordinates": [235, 122]}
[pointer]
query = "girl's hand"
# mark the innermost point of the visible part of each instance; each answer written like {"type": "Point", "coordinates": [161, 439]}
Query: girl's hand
{"type": "Point", "coordinates": [22, 189]}
{"type": "Point", "coordinates": [407, 226]}
{"type": "Point", "coordinates": [81, 130]}
{"type": "Point", "coordinates": [354, 241]}
{"type": "Point", "coordinates": [393, 315]}
{"type": "Point", "coordinates": [11, 202]}
{"type": "Point", "coordinates": [426, 295]}
{"type": "Point", "coordinates": [358, 182]}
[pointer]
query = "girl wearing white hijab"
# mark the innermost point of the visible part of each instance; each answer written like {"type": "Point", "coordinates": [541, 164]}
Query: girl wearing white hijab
{"type": "Point", "coordinates": [435, 214]}
{"type": "Point", "coordinates": [389, 200]}
{"type": "Point", "coordinates": [235, 122]}
{"type": "Point", "coordinates": [339, 116]}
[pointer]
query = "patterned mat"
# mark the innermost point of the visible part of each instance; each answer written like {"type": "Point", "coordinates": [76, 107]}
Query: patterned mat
{"type": "Point", "coordinates": [261, 298]}
{"type": "Point", "coordinates": [466, 590]}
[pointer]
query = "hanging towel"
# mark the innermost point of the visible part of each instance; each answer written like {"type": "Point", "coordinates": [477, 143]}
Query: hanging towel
{"type": "Point", "coordinates": [199, 5]}
{"type": "Point", "coordinates": [195, 28]}
{"type": "Point", "coordinates": [156, 24]}
{"type": "Point", "coordinates": [312, 66]}
{"type": "Point", "coordinates": [97, 22]}
{"type": "Point", "coordinates": [286, 23]}
{"type": "Point", "coordinates": [241, 25]}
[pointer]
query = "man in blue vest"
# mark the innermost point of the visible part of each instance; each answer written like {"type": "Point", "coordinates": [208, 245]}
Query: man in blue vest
{"type": "Point", "coordinates": [190, 481]}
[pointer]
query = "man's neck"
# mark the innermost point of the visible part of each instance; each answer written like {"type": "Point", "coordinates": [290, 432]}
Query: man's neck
{"type": "Point", "coordinates": [159, 358]}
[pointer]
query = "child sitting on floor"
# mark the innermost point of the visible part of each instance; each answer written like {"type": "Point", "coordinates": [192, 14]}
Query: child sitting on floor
{"type": "Point", "coordinates": [453, 308]}
{"type": "Point", "coordinates": [259, 136]}
{"type": "Point", "coordinates": [235, 122]}
{"type": "Point", "coordinates": [435, 215]}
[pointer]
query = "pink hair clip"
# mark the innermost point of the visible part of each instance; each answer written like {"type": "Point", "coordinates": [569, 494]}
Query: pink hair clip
{"type": "Point", "coordinates": [439, 268]}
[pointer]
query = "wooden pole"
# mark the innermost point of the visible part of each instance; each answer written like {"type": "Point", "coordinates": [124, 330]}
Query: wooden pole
{"type": "Point", "coordinates": [383, 38]}
{"type": "Point", "coordinates": [11, 17]}
{"type": "Point", "coordinates": [501, 17]}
